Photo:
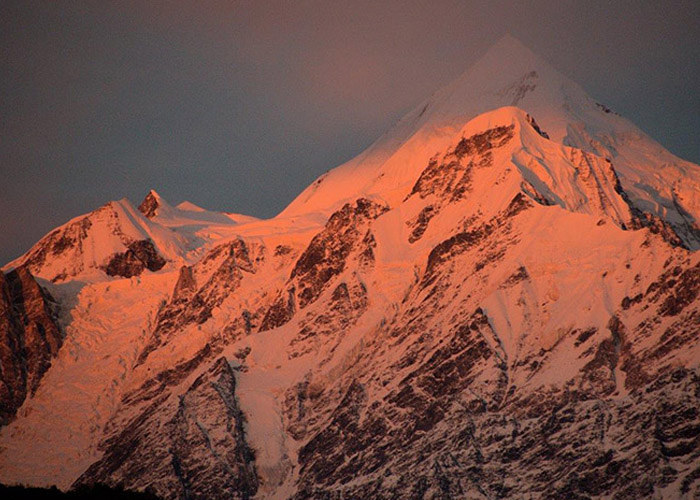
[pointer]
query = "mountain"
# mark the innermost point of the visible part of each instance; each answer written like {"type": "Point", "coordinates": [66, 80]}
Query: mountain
{"type": "Point", "coordinates": [120, 240]}
{"type": "Point", "coordinates": [509, 74]}
{"type": "Point", "coordinates": [498, 299]}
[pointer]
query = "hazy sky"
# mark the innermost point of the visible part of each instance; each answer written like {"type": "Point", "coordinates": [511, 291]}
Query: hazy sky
{"type": "Point", "coordinates": [239, 105]}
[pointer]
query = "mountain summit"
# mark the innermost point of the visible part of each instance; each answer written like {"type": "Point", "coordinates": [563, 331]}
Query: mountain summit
{"type": "Point", "coordinates": [150, 204]}
{"type": "Point", "coordinates": [498, 299]}
{"type": "Point", "coordinates": [510, 74]}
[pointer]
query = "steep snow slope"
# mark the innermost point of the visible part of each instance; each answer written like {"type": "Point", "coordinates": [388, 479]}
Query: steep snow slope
{"type": "Point", "coordinates": [509, 74]}
{"type": "Point", "coordinates": [55, 434]}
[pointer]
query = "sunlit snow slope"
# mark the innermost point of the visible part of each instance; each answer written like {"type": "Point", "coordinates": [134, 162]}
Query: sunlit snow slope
{"type": "Point", "coordinates": [509, 74]}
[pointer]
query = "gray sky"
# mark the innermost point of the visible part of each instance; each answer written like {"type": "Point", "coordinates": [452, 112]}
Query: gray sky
{"type": "Point", "coordinates": [239, 105]}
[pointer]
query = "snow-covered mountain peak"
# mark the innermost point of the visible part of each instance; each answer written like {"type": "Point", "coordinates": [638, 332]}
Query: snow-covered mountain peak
{"type": "Point", "coordinates": [499, 155]}
{"type": "Point", "coordinates": [497, 278]}
{"type": "Point", "coordinates": [113, 240]}
{"type": "Point", "coordinates": [510, 74]}
{"type": "Point", "coordinates": [189, 206]}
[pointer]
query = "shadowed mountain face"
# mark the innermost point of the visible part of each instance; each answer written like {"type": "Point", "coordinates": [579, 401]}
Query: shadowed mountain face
{"type": "Point", "coordinates": [499, 299]}
{"type": "Point", "coordinates": [29, 338]}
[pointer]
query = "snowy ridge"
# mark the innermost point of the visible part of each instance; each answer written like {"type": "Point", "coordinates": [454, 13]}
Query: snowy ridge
{"type": "Point", "coordinates": [83, 247]}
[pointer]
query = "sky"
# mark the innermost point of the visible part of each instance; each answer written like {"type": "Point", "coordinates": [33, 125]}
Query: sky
{"type": "Point", "coordinates": [239, 105]}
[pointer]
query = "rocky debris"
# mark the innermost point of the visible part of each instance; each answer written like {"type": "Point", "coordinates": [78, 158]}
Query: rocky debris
{"type": "Point", "coordinates": [140, 255]}
{"type": "Point", "coordinates": [200, 452]}
{"type": "Point", "coordinates": [150, 204]}
{"type": "Point", "coordinates": [29, 338]}
{"type": "Point", "coordinates": [325, 257]}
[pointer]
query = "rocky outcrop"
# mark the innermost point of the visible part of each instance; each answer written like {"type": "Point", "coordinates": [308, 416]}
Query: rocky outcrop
{"type": "Point", "coordinates": [29, 338]}
{"type": "Point", "coordinates": [191, 303]}
{"type": "Point", "coordinates": [139, 256]}
{"type": "Point", "coordinates": [450, 178]}
{"type": "Point", "coordinates": [200, 452]}
{"type": "Point", "coordinates": [150, 205]}
{"type": "Point", "coordinates": [324, 258]}
{"type": "Point", "coordinates": [57, 243]}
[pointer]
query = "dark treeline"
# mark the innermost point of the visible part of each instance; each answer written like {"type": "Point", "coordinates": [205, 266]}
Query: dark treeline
{"type": "Point", "coordinates": [82, 493]}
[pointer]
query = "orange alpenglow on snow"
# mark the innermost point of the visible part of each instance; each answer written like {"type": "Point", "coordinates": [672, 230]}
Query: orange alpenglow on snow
{"type": "Point", "coordinates": [508, 271]}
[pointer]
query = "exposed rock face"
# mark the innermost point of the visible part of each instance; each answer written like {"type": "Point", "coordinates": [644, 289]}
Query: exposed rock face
{"type": "Point", "coordinates": [200, 453]}
{"type": "Point", "coordinates": [325, 257]}
{"type": "Point", "coordinates": [452, 176]}
{"type": "Point", "coordinates": [29, 338]}
{"type": "Point", "coordinates": [557, 447]}
{"type": "Point", "coordinates": [139, 256]}
{"type": "Point", "coordinates": [150, 204]}
{"type": "Point", "coordinates": [57, 243]}
{"type": "Point", "coordinates": [455, 417]}
{"type": "Point", "coordinates": [347, 303]}
{"type": "Point", "coordinates": [192, 303]}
